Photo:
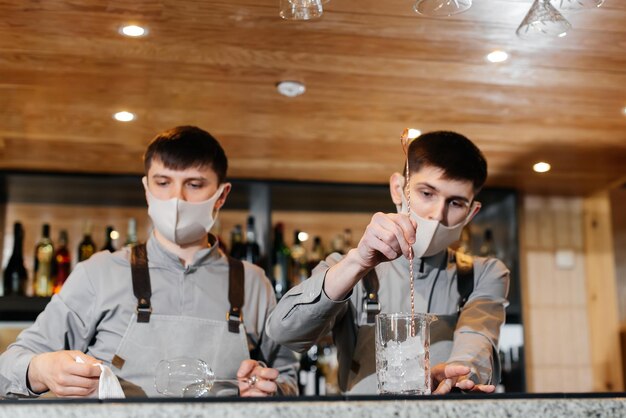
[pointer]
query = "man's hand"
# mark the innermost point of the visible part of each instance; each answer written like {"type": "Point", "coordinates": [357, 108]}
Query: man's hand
{"type": "Point", "coordinates": [263, 378]}
{"type": "Point", "coordinates": [448, 376]}
{"type": "Point", "coordinates": [59, 373]}
{"type": "Point", "coordinates": [387, 237]}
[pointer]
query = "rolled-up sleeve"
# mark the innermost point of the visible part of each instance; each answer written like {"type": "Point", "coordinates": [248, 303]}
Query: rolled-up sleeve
{"type": "Point", "coordinates": [65, 324]}
{"type": "Point", "coordinates": [478, 329]}
{"type": "Point", "coordinates": [305, 313]}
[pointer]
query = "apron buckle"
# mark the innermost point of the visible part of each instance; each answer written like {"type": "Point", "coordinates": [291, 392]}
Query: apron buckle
{"type": "Point", "coordinates": [234, 319]}
{"type": "Point", "coordinates": [143, 313]}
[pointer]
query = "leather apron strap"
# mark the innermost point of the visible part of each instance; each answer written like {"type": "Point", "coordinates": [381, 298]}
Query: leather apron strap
{"type": "Point", "coordinates": [235, 294]}
{"type": "Point", "coordinates": [371, 304]}
{"type": "Point", "coordinates": [141, 282]}
{"type": "Point", "coordinates": [464, 277]}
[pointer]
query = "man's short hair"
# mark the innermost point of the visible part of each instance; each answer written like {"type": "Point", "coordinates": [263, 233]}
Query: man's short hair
{"type": "Point", "coordinates": [453, 153]}
{"type": "Point", "coordinates": [185, 147]}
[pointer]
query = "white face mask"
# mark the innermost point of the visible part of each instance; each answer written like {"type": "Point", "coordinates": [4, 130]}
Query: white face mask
{"type": "Point", "coordinates": [431, 236]}
{"type": "Point", "coordinates": [180, 221]}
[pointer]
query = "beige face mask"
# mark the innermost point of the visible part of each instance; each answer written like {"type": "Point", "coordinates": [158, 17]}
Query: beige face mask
{"type": "Point", "coordinates": [180, 221]}
{"type": "Point", "coordinates": [431, 236]}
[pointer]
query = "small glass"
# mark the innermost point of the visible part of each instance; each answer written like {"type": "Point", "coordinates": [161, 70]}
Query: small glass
{"type": "Point", "coordinates": [190, 378]}
{"type": "Point", "coordinates": [301, 9]}
{"type": "Point", "coordinates": [402, 353]}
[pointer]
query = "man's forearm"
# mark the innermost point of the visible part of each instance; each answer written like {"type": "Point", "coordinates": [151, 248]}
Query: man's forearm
{"type": "Point", "coordinates": [343, 276]}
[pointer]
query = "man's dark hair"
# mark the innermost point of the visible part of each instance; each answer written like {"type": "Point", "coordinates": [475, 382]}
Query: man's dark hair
{"type": "Point", "coordinates": [184, 147]}
{"type": "Point", "coordinates": [456, 155]}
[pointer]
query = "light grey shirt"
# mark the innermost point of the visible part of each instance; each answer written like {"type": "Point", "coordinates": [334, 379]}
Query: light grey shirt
{"type": "Point", "coordinates": [94, 308]}
{"type": "Point", "coordinates": [306, 313]}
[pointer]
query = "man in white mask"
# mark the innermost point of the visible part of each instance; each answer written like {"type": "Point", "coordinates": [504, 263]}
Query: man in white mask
{"type": "Point", "coordinates": [345, 292]}
{"type": "Point", "coordinates": [176, 296]}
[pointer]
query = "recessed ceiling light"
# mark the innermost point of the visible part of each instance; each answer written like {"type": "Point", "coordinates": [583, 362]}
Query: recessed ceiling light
{"type": "Point", "coordinates": [124, 116]}
{"type": "Point", "coordinates": [624, 111]}
{"type": "Point", "coordinates": [133, 31]}
{"type": "Point", "coordinates": [414, 133]}
{"type": "Point", "coordinates": [541, 167]}
{"type": "Point", "coordinates": [497, 56]}
{"type": "Point", "coordinates": [290, 88]}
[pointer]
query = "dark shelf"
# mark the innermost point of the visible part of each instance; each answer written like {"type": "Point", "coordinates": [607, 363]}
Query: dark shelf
{"type": "Point", "coordinates": [21, 308]}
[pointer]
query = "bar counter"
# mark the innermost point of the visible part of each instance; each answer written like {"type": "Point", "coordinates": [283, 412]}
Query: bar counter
{"type": "Point", "coordinates": [461, 405]}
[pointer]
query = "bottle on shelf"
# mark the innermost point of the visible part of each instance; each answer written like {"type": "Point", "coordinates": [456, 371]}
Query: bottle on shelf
{"type": "Point", "coordinates": [87, 247]}
{"type": "Point", "coordinates": [62, 262]}
{"type": "Point", "coordinates": [347, 240]}
{"type": "Point", "coordinates": [465, 242]}
{"type": "Point", "coordinates": [131, 233]}
{"type": "Point", "coordinates": [281, 258]}
{"type": "Point", "coordinates": [236, 242]}
{"type": "Point", "coordinates": [336, 244]}
{"type": "Point", "coordinates": [299, 261]}
{"type": "Point", "coordinates": [317, 253]}
{"type": "Point", "coordinates": [487, 248]}
{"type": "Point", "coordinates": [44, 259]}
{"type": "Point", "coordinates": [108, 239]}
{"type": "Point", "coordinates": [15, 274]}
{"type": "Point", "coordinates": [251, 251]}
{"type": "Point", "coordinates": [310, 379]}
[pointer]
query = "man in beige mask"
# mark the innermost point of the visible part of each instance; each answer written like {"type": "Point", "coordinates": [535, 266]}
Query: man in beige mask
{"type": "Point", "coordinates": [176, 296]}
{"type": "Point", "coordinates": [344, 293]}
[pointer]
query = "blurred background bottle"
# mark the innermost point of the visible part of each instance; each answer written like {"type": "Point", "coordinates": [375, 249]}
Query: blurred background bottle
{"type": "Point", "coordinates": [15, 274]}
{"type": "Point", "coordinates": [347, 240]}
{"type": "Point", "coordinates": [317, 253]}
{"type": "Point", "coordinates": [131, 233]}
{"type": "Point", "coordinates": [236, 243]}
{"type": "Point", "coordinates": [108, 239]}
{"type": "Point", "coordinates": [87, 247]}
{"type": "Point", "coordinates": [44, 256]}
{"type": "Point", "coordinates": [299, 261]}
{"type": "Point", "coordinates": [487, 248]}
{"type": "Point", "coordinates": [281, 258]}
{"type": "Point", "coordinates": [62, 262]}
{"type": "Point", "coordinates": [251, 252]}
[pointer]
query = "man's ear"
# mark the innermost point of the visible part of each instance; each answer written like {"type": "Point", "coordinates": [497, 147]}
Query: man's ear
{"type": "Point", "coordinates": [144, 181]}
{"type": "Point", "coordinates": [222, 199]}
{"type": "Point", "coordinates": [396, 189]}
{"type": "Point", "coordinates": [475, 208]}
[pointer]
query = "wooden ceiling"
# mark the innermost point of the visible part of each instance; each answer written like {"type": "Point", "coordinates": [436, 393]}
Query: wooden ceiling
{"type": "Point", "coordinates": [371, 68]}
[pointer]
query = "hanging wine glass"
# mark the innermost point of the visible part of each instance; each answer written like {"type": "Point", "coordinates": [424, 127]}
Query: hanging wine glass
{"type": "Point", "coordinates": [441, 8]}
{"type": "Point", "coordinates": [543, 20]}
{"type": "Point", "coordinates": [577, 4]}
{"type": "Point", "coordinates": [301, 9]}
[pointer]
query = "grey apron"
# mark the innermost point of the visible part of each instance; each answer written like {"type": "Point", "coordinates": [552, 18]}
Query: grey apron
{"type": "Point", "coordinates": [151, 338]}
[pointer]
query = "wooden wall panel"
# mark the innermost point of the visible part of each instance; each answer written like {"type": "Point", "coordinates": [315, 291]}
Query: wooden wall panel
{"type": "Point", "coordinates": [554, 299]}
{"type": "Point", "coordinates": [602, 295]}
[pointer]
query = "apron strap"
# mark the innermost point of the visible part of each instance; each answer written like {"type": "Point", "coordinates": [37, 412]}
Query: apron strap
{"type": "Point", "coordinates": [235, 294]}
{"type": "Point", "coordinates": [141, 281]}
{"type": "Point", "coordinates": [371, 304]}
{"type": "Point", "coordinates": [464, 277]}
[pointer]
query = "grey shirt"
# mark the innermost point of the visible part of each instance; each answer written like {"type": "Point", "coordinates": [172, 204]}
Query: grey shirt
{"type": "Point", "coordinates": [305, 314]}
{"type": "Point", "coordinates": [94, 308]}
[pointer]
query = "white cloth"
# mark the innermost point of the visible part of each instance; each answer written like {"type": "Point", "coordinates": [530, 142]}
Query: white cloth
{"type": "Point", "coordinates": [108, 385]}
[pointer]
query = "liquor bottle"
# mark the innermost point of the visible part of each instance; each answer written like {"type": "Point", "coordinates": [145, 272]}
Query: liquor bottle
{"type": "Point", "coordinates": [317, 253]}
{"type": "Point", "coordinates": [311, 380]}
{"type": "Point", "coordinates": [251, 247]}
{"type": "Point", "coordinates": [131, 233]}
{"type": "Point", "coordinates": [465, 243]}
{"type": "Point", "coordinates": [281, 258]}
{"type": "Point", "coordinates": [487, 248]}
{"type": "Point", "coordinates": [44, 256]}
{"type": "Point", "coordinates": [347, 240]}
{"type": "Point", "coordinates": [62, 262]}
{"type": "Point", "coordinates": [87, 247]}
{"type": "Point", "coordinates": [15, 275]}
{"type": "Point", "coordinates": [337, 244]}
{"type": "Point", "coordinates": [236, 243]}
{"type": "Point", "coordinates": [108, 240]}
{"type": "Point", "coordinates": [299, 261]}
